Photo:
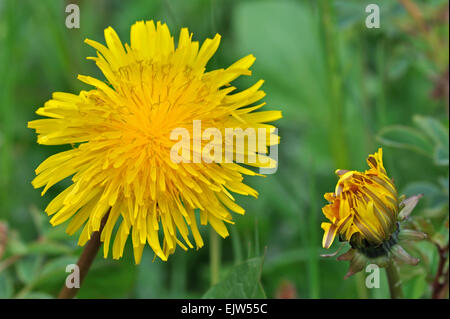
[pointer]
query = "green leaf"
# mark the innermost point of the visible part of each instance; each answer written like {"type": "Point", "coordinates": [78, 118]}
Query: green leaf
{"type": "Point", "coordinates": [28, 268]}
{"type": "Point", "coordinates": [438, 134]}
{"type": "Point", "coordinates": [110, 278]}
{"type": "Point", "coordinates": [6, 285]}
{"type": "Point", "coordinates": [433, 128]}
{"type": "Point", "coordinates": [56, 266]}
{"type": "Point", "coordinates": [436, 198]}
{"type": "Point", "coordinates": [242, 281]}
{"type": "Point", "coordinates": [53, 274]}
{"type": "Point", "coordinates": [441, 155]}
{"type": "Point", "coordinates": [48, 248]}
{"type": "Point", "coordinates": [405, 137]}
{"type": "Point", "coordinates": [15, 244]}
{"type": "Point", "coordinates": [419, 287]}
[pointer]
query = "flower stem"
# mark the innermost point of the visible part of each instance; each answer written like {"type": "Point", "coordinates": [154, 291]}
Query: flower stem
{"type": "Point", "coordinates": [85, 261]}
{"type": "Point", "coordinates": [214, 257]}
{"type": "Point", "coordinates": [361, 286]}
{"type": "Point", "coordinates": [440, 283]}
{"type": "Point", "coordinates": [395, 286]}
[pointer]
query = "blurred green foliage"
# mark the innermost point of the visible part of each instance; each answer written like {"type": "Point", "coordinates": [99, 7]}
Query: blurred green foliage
{"type": "Point", "coordinates": [344, 91]}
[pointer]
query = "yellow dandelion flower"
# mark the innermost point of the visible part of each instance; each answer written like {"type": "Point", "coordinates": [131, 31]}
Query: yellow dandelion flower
{"type": "Point", "coordinates": [364, 206]}
{"type": "Point", "coordinates": [365, 210]}
{"type": "Point", "coordinates": [120, 132]}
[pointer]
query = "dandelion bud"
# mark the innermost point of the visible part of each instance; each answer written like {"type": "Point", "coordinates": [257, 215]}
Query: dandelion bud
{"type": "Point", "coordinates": [364, 207]}
{"type": "Point", "coordinates": [364, 210]}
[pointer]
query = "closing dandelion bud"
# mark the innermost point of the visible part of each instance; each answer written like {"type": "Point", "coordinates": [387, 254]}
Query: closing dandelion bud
{"type": "Point", "coordinates": [365, 210]}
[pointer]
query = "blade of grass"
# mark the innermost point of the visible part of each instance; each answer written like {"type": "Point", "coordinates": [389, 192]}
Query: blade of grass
{"type": "Point", "coordinates": [7, 56]}
{"type": "Point", "coordinates": [178, 281]}
{"type": "Point", "coordinates": [335, 89]}
{"type": "Point", "coordinates": [257, 251]}
{"type": "Point", "coordinates": [215, 254]}
{"type": "Point", "coordinates": [236, 245]}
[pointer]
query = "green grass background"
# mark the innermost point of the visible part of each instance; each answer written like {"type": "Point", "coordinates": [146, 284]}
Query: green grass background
{"type": "Point", "coordinates": [339, 85]}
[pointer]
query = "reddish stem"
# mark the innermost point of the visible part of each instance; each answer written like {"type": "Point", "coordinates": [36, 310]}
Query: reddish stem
{"type": "Point", "coordinates": [441, 280]}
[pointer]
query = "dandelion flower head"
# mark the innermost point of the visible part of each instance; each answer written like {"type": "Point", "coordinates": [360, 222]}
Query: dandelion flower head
{"type": "Point", "coordinates": [119, 130]}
